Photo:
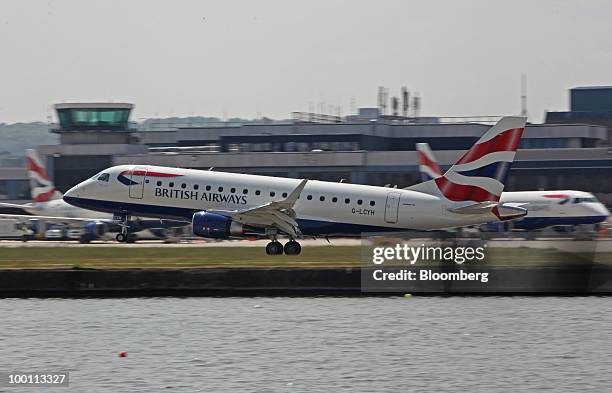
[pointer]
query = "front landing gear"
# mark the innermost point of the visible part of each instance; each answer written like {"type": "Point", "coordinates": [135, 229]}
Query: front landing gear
{"type": "Point", "coordinates": [123, 236]}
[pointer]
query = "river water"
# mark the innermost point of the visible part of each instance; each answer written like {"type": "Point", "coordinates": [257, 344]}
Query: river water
{"type": "Point", "coordinates": [393, 344]}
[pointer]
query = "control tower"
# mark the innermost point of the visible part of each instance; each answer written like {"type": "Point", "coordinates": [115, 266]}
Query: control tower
{"type": "Point", "coordinates": [83, 123]}
{"type": "Point", "coordinates": [91, 134]}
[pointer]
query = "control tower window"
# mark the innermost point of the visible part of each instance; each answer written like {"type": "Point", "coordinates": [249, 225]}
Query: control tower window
{"type": "Point", "coordinates": [74, 119]}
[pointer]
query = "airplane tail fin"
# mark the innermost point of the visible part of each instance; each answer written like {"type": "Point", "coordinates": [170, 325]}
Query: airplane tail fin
{"type": "Point", "coordinates": [428, 166]}
{"type": "Point", "coordinates": [479, 175]}
{"type": "Point", "coordinates": [42, 188]}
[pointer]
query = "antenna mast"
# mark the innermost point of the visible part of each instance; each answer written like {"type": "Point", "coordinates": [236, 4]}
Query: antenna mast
{"type": "Point", "coordinates": [523, 95]}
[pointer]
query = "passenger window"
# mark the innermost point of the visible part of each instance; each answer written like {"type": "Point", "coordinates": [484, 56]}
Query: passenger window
{"type": "Point", "coordinates": [322, 198]}
{"type": "Point", "coordinates": [309, 197]}
{"type": "Point", "coordinates": [347, 200]}
{"type": "Point", "coordinates": [245, 191]}
{"type": "Point", "coordinates": [284, 195]}
{"type": "Point", "coordinates": [207, 188]}
{"type": "Point", "coordinates": [195, 186]}
{"type": "Point", "coordinates": [335, 199]}
{"type": "Point", "coordinates": [232, 190]}
{"type": "Point", "coordinates": [220, 189]}
{"type": "Point", "coordinates": [359, 201]}
{"type": "Point", "coordinates": [272, 193]}
{"type": "Point", "coordinates": [183, 185]}
{"type": "Point", "coordinates": [372, 203]}
{"type": "Point", "coordinates": [147, 181]}
{"type": "Point", "coordinates": [171, 184]}
{"type": "Point", "coordinates": [158, 183]}
{"type": "Point", "coordinates": [257, 192]}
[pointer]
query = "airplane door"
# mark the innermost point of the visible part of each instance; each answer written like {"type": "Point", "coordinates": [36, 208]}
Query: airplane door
{"type": "Point", "coordinates": [391, 207]}
{"type": "Point", "coordinates": [137, 176]}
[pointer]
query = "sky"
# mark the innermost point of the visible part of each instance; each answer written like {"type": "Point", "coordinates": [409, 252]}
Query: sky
{"type": "Point", "coordinates": [269, 58]}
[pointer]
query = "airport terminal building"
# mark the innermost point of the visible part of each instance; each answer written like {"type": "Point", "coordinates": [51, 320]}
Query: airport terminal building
{"type": "Point", "coordinates": [362, 148]}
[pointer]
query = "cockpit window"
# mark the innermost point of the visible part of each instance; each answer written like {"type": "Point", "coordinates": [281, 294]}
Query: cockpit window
{"type": "Point", "coordinates": [103, 177]}
{"type": "Point", "coordinates": [579, 200]}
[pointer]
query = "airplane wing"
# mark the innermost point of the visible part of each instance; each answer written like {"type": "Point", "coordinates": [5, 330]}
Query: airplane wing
{"type": "Point", "coordinates": [12, 208]}
{"type": "Point", "coordinates": [278, 214]}
{"type": "Point", "coordinates": [11, 205]}
{"type": "Point", "coordinates": [79, 221]}
{"type": "Point", "coordinates": [67, 220]}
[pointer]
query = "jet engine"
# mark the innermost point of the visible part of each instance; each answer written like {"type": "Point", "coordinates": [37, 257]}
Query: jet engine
{"type": "Point", "coordinates": [215, 226]}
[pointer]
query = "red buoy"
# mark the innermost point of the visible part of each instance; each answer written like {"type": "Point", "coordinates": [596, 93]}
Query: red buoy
{"type": "Point", "coordinates": [122, 354]}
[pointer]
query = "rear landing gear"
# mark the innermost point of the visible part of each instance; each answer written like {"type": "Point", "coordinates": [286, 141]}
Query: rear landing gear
{"type": "Point", "coordinates": [293, 248]}
{"type": "Point", "coordinates": [274, 248]}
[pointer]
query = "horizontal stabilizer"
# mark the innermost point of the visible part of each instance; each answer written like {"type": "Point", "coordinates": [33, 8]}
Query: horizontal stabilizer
{"type": "Point", "coordinates": [476, 208]}
{"type": "Point", "coordinates": [503, 211]}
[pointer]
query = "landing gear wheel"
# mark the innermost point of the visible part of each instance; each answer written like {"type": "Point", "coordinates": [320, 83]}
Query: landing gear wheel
{"type": "Point", "coordinates": [121, 238]}
{"type": "Point", "coordinates": [293, 248]}
{"type": "Point", "coordinates": [274, 248]}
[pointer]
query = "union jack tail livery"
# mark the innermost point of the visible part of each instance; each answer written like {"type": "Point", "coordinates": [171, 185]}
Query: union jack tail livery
{"type": "Point", "coordinates": [479, 174]}
{"type": "Point", "coordinates": [428, 166]}
{"type": "Point", "coordinates": [41, 186]}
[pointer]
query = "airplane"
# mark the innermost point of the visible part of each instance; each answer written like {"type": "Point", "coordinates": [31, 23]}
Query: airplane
{"type": "Point", "coordinates": [545, 208]}
{"type": "Point", "coordinates": [49, 206]}
{"type": "Point", "coordinates": [229, 205]}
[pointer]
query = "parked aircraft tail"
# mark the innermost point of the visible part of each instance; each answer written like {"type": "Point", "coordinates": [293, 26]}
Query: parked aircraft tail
{"type": "Point", "coordinates": [428, 166]}
{"type": "Point", "coordinates": [42, 188]}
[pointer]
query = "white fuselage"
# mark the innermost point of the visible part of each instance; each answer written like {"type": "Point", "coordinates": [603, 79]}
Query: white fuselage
{"type": "Point", "coordinates": [559, 207]}
{"type": "Point", "coordinates": [323, 207]}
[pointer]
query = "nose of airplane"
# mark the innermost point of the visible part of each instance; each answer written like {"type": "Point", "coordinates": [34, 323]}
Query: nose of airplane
{"type": "Point", "coordinates": [73, 194]}
{"type": "Point", "coordinates": [601, 210]}
{"type": "Point", "coordinates": [69, 195]}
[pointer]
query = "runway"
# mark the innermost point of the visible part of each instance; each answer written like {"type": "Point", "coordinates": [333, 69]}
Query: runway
{"type": "Point", "coordinates": [568, 244]}
{"type": "Point", "coordinates": [181, 244]}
